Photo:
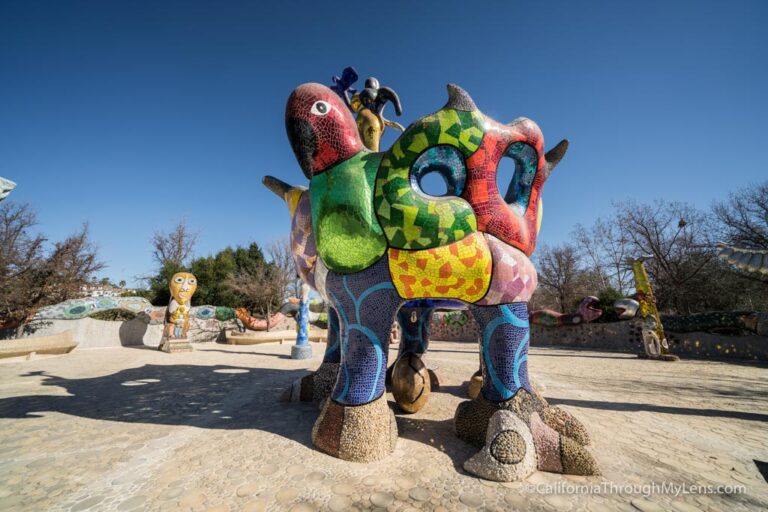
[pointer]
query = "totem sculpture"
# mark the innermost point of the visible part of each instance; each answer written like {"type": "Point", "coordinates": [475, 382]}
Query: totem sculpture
{"type": "Point", "coordinates": [654, 339]}
{"type": "Point", "coordinates": [6, 186]}
{"type": "Point", "coordinates": [183, 286]}
{"type": "Point", "coordinates": [369, 239]}
{"type": "Point", "coordinates": [302, 349]}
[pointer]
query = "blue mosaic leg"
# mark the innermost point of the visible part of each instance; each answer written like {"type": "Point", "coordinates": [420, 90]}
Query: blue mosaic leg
{"type": "Point", "coordinates": [366, 303]}
{"type": "Point", "coordinates": [504, 336]}
{"type": "Point", "coordinates": [333, 345]}
{"type": "Point", "coordinates": [414, 329]}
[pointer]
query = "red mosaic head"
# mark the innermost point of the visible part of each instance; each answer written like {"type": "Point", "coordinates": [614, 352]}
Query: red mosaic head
{"type": "Point", "coordinates": [321, 128]}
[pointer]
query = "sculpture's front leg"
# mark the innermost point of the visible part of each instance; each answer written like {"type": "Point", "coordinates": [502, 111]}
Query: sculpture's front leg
{"type": "Point", "coordinates": [317, 386]}
{"type": "Point", "coordinates": [356, 423]}
{"type": "Point", "coordinates": [518, 430]}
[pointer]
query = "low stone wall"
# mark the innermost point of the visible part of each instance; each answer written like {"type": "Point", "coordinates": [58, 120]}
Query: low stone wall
{"type": "Point", "coordinates": [617, 336]}
{"type": "Point", "coordinates": [90, 333]}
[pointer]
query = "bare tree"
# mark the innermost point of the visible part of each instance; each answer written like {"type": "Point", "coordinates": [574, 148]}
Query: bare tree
{"type": "Point", "coordinates": [743, 218]}
{"type": "Point", "coordinates": [559, 274]}
{"type": "Point", "coordinates": [679, 239]}
{"type": "Point", "coordinates": [281, 257]}
{"type": "Point", "coordinates": [174, 246]}
{"type": "Point", "coordinates": [606, 248]}
{"type": "Point", "coordinates": [266, 285]}
{"type": "Point", "coordinates": [30, 276]}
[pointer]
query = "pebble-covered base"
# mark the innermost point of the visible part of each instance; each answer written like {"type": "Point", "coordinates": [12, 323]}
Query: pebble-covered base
{"type": "Point", "coordinates": [360, 433]}
{"type": "Point", "coordinates": [173, 346]}
{"type": "Point", "coordinates": [301, 351]}
{"type": "Point", "coordinates": [509, 454]}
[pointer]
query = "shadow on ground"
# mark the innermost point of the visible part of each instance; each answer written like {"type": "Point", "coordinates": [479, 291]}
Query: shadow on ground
{"type": "Point", "coordinates": [665, 409]}
{"type": "Point", "coordinates": [217, 397]}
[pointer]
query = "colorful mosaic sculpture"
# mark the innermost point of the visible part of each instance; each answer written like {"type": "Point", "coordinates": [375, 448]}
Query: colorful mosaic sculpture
{"type": "Point", "coordinates": [183, 286]}
{"type": "Point", "coordinates": [380, 241]}
{"type": "Point", "coordinates": [302, 349]}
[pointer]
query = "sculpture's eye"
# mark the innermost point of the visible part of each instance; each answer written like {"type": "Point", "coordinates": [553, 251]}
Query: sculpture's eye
{"type": "Point", "coordinates": [179, 280]}
{"type": "Point", "coordinates": [320, 108]}
{"type": "Point", "coordinates": [192, 281]}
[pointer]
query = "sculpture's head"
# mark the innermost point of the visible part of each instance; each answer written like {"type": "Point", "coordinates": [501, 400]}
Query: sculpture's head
{"type": "Point", "coordinates": [183, 286]}
{"type": "Point", "coordinates": [626, 308]}
{"type": "Point", "coordinates": [5, 188]}
{"type": "Point", "coordinates": [321, 128]}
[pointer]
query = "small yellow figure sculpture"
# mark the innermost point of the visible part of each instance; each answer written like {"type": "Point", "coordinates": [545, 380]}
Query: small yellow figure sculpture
{"type": "Point", "coordinates": [369, 106]}
{"type": "Point", "coordinates": [183, 286]}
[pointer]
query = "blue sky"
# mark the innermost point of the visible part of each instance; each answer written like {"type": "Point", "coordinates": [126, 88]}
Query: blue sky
{"type": "Point", "coordinates": [132, 115]}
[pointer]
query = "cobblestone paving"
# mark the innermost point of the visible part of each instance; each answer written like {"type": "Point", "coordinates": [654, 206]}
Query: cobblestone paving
{"type": "Point", "coordinates": [136, 429]}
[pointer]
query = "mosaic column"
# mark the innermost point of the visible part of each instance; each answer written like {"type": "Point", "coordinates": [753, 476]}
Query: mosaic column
{"type": "Point", "coordinates": [302, 349]}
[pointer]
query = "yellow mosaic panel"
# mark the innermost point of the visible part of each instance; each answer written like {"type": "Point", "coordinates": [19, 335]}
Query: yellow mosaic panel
{"type": "Point", "coordinates": [461, 270]}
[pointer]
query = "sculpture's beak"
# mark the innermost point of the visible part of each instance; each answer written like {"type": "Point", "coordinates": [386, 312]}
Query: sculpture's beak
{"type": "Point", "coordinates": [303, 142]}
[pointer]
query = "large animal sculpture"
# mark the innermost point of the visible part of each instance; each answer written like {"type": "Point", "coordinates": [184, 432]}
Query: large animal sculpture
{"type": "Point", "coordinates": [369, 239]}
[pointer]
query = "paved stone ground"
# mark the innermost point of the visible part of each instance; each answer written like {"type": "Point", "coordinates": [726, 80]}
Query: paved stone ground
{"type": "Point", "coordinates": [137, 429]}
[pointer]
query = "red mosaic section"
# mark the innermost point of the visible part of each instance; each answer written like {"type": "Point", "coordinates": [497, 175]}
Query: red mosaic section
{"type": "Point", "coordinates": [494, 216]}
{"type": "Point", "coordinates": [321, 135]}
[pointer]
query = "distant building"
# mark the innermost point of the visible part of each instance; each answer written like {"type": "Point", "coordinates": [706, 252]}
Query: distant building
{"type": "Point", "coordinates": [100, 290]}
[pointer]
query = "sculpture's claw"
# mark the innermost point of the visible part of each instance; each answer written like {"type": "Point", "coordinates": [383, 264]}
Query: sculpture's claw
{"type": "Point", "coordinates": [314, 387]}
{"type": "Point", "coordinates": [557, 453]}
{"type": "Point", "coordinates": [566, 424]}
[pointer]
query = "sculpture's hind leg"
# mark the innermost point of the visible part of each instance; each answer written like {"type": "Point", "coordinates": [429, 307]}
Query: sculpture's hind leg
{"type": "Point", "coordinates": [517, 427]}
{"type": "Point", "coordinates": [356, 423]}
{"type": "Point", "coordinates": [410, 379]}
{"type": "Point", "coordinates": [316, 386]}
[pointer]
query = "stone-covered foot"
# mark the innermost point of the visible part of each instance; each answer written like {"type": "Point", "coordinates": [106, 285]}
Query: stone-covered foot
{"type": "Point", "coordinates": [509, 453]}
{"type": "Point", "coordinates": [358, 433]}
{"type": "Point", "coordinates": [411, 382]}
{"type": "Point", "coordinates": [559, 419]}
{"type": "Point", "coordinates": [555, 452]}
{"type": "Point", "coordinates": [314, 387]}
{"type": "Point", "coordinates": [472, 417]}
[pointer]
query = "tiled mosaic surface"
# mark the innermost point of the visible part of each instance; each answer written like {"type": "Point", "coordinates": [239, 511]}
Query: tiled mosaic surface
{"type": "Point", "coordinates": [131, 429]}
